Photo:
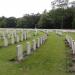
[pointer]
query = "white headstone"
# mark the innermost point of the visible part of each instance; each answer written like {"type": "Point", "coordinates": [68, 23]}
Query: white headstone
{"type": "Point", "coordinates": [38, 42]}
{"type": "Point", "coordinates": [41, 40]}
{"type": "Point", "coordinates": [25, 35]}
{"type": "Point", "coordinates": [22, 36]}
{"type": "Point", "coordinates": [9, 35]}
{"type": "Point", "coordinates": [12, 39]}
{"type": "Point", "coordinates": [5, 42]}
{"type": "Point", "coordinates": [73, 48]}
{"type": "Point", "coordinates": [19, 53]}
{"type": "Point", "coordinates": [17, 38]}
{"type": "Point", "coordinates": [28, 47]}
{"type": "Point", "coordinates": [34, 45]}
{"type": "Point", "coordinates": [70, 42]}
{"type": "Point", "coordinates": [15, 34]}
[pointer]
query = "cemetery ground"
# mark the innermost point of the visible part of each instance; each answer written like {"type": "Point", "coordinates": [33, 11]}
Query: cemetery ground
{"type": "Point", "coordinates": [50, 59]}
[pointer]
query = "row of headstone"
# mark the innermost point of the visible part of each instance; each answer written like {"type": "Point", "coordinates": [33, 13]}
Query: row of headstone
{"type": "Point", "coordinates": [30, 48]}
{"type": "Point", "coordinates": [23, 37]}
{"type": "Point", "coordinates": [14, 38]}
{"type": "Point", "coordinates": [46, 32]}
{"type": "Point", "coordinates": [59, 33]}
{"type": "Point", "coordinates": [71, 43]}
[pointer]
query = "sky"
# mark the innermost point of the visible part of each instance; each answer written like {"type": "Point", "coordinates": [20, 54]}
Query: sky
{"type": "Point", "coordinates": [17, 8]}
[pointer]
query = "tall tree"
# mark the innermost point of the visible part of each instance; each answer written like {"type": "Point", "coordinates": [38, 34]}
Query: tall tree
{"type": "Point", "coordinates": [11, 22]}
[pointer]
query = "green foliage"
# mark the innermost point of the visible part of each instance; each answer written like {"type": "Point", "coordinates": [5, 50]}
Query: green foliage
{"type": "Point", "coordinates": [2, 22]}
{"type": "Point", "coordinates": [73, 24]}
{"type": "Point", "coordinates": [11, 22]}
{"type": "Point", "coordinates": [59, 19]}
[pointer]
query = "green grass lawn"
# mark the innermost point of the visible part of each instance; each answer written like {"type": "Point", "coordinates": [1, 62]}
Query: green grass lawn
{"type": "Point", "coordinates": [49, 59]}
